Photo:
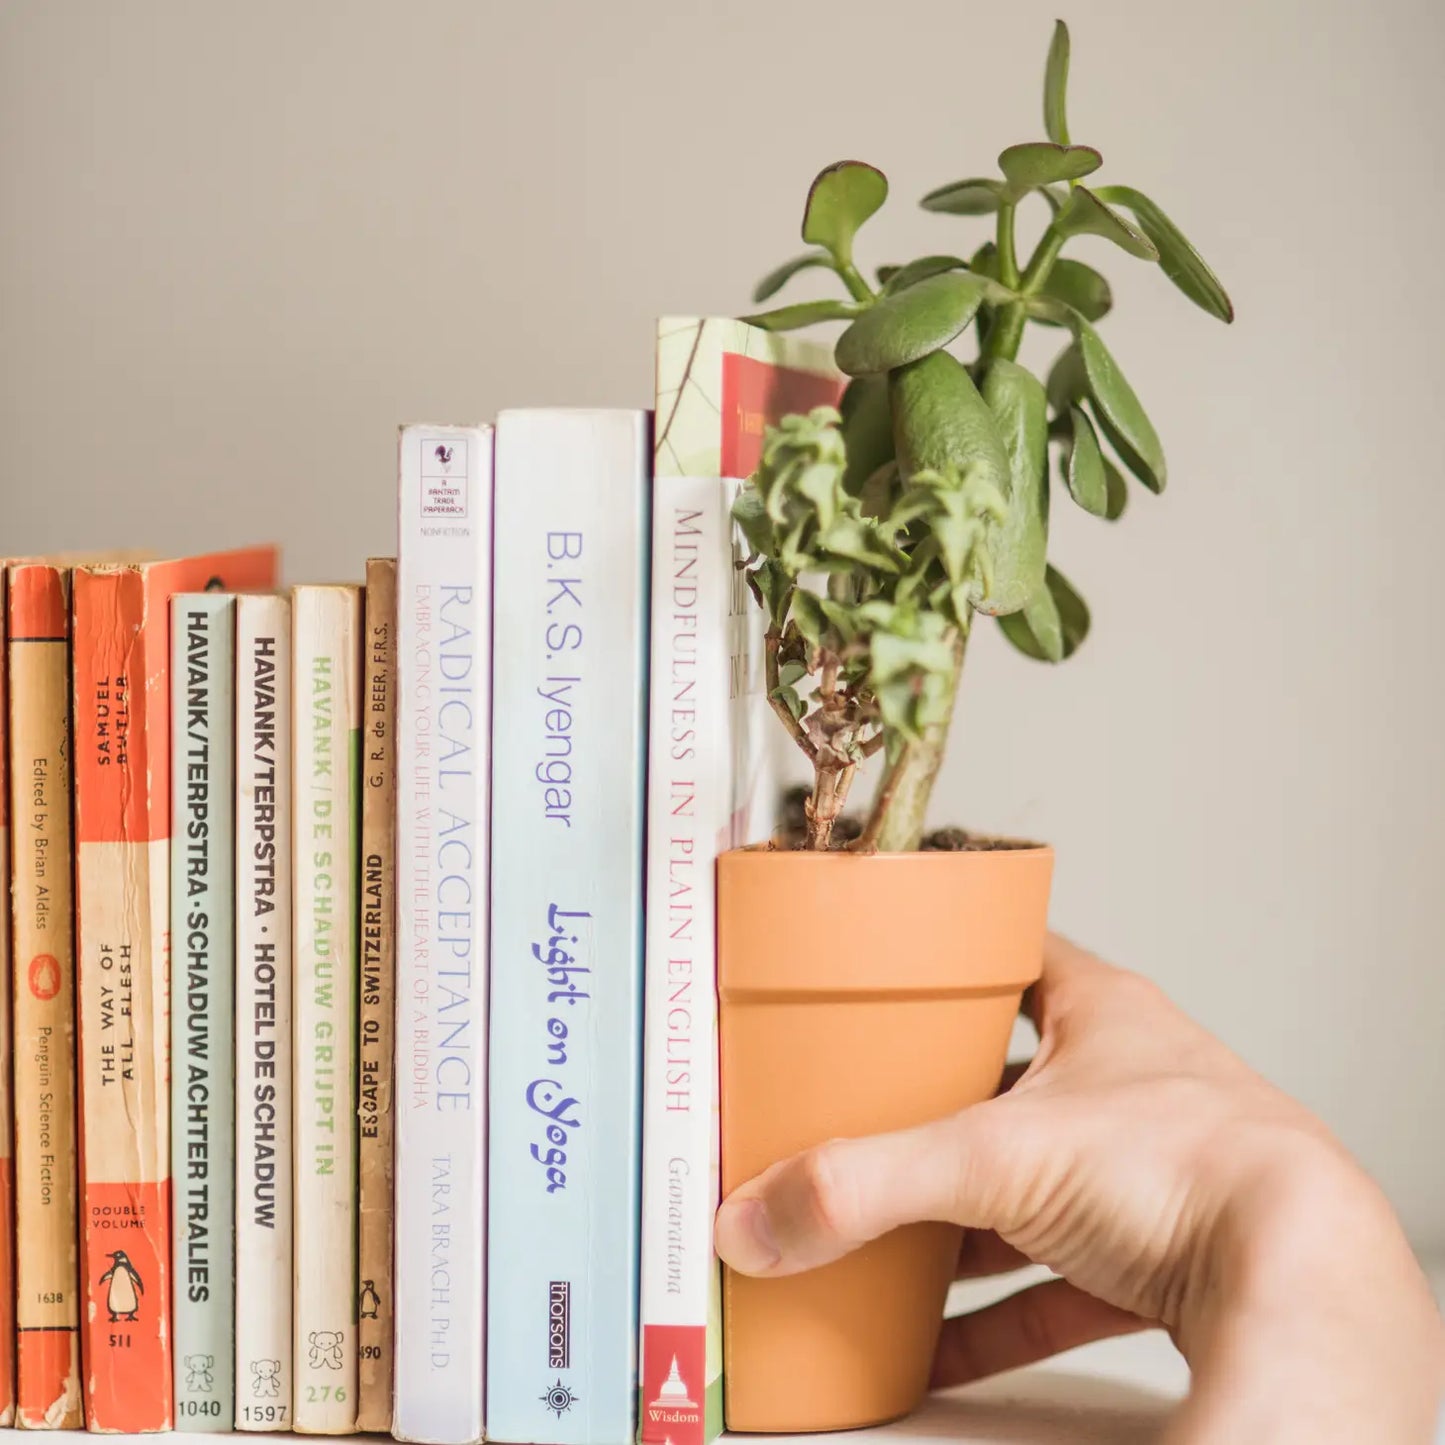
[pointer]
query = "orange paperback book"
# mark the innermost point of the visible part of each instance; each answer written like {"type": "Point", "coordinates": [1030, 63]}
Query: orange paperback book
{"type": "Point", "coordinates": [7, 1147]}
{"type": "Point", "coordinates": [122, 822]}
{"type": "Point", "coordinates": [47, 1300]}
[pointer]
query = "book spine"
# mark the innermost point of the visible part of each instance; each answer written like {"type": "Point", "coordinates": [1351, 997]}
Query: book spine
{"type": "Point", "coordinates": [690, 809]}
{"type": "Point", "coordinates": [443, 734]}
{"type": "Point", "coordinates": [263, 1014]}
{"type": "Point", "coordinates": [122, 768]}
{"type": "Point", "coordinates": [203, 1097]}
{"type": "Point", "coordinates": [326, 699]}
{"type": "Point", "coordinates": [46, 1182]}
{"type": "Point", "coordinates": [378, 999]}
{"type": "Point", "coordinates": [570, 679]}
{"type": "Point", "coordinates": [7, 1135]}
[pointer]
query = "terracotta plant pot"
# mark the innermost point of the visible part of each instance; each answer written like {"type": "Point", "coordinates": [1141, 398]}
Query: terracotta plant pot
{"type": "Point", "coordinates": [858, 994]}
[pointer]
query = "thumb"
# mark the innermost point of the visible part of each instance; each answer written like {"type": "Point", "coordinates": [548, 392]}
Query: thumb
{"type": "Point", "coordinates": [819, 1205]}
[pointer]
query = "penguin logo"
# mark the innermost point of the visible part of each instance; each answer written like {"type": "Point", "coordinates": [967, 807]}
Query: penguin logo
{"type": "Point", "coordinates": [370, 1301]}
{"type": "Point", "coordinates": [126, 1288]}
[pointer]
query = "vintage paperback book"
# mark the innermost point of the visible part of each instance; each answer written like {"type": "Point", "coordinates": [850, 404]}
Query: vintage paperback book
{"type": "Point", "coordinates": [443, 734]}
{"type": "Point", "coordinates": [569, 677]}
{"type": "Point", "coordinates": [203, 965]}
{"type": "Point", "coordinates": [7, 1136]}
{"type": "Point", "coordinates": [326, 729]}
{"type": "Point", "coordinates": [710, 788]}
{"type": "Point", "coordinates": [46, 1173]}
{"type": "Point", "coordinates": [378, 998]}
{"type": "Point", "coordinates": [121, 701]}
{"type": "Point", "coordinates": [263, 1012]}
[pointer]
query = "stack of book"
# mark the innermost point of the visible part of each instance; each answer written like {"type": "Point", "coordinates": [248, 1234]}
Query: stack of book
{"type": "Point", "coordinates": [359, 975]}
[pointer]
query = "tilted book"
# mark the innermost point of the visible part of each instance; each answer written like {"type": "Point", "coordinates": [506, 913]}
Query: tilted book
{"type": "Point", "coordinates": [326, 726]}
{"type": "Point", "coordinates": [264, 1131]}
{"type": "Point", "coordinates": [378, 998]}
{"type": "Point", "coordinates": [46, 1172]}
{"type": "Point", "coordinates": [121, 701]}
{"type": "Point", "coordinates": [203, 968]}
{"type": "Point", "coordinates": [7, 1112]}
{"type": "Point", "coordinates": [443, 733]}
{"type": "Point", "coordinates": [720, 383]}
{"type": "Point", "coordinates": [569, 679]}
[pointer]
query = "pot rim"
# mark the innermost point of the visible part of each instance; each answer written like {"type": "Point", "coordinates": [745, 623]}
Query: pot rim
{"type": "Point", "coordinates": [1017, 848]}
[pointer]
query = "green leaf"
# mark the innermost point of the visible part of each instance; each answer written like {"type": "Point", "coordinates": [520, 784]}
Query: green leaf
{"type": "Point", "coordinates": [791, 672]}
{"type": "Point", "coordinates": [1036, 164]}
{"type": "Point", "coordinates": [985, 261]}
{"type": "Point", "coordinates": [775, 280]}
{"type": "Point", "coordinates": [805, 313]}
{"type": "Point", "coordinates": [842, 197]}
{"type": "Point", "coordinates": [1088, 483]}
{"type": "Point", "coordinates": [867, 430]}
{"type": "Point", "coordinates": [942, 421]}
{"type": "Point", "coordinates": [808, 616]}
{"type": "Point", "coordinates": [1118, 492]}
{"type": "Point", "coordinates": [1066, 382]}
{"type": "Point", "coordinates": [1056, 84]}
{"type": "Point", "coordinates": [921, 270]}
{"type": "Point", "coordinates": [788, 696]}
{"type": "Point", "coordinates": [1058, 613]}
{"type": "Point", "coordinates": [910, 324]}
{"type": "Point", "coordinates": [977, 196]}
{"type": "Point", "coordinates": [1124, 420]}
{"type": "Point", "coordinates": [855, 540]}
{"type": "Point", "coordinates": [1079, 286]}
{"type": "Point", "coordinates": [886, 273]}
{"type": "Point", "coordinates": [1084, 214]}
{"type": "Point", "coordinates": [1017, 400]}
{"type": "Point", "coordinates": [1178, 260]}
{"type": "Point", "coordinates": [772, 587]}
{"type": "Point", "coordinates": [751, 514]}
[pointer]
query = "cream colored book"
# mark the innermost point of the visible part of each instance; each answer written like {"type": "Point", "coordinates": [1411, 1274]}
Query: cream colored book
{"type": "Point", "coordinates": [263, 1013]}
{"type": "Point", "coordinates": [326, 723]}
{"type": "Point", "coordinates": [46, 1175]}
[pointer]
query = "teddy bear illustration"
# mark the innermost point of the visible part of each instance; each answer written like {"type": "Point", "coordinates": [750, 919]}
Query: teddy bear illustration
{"type": "Point", "coordinates": [325, 1349]}
{"type": "Point", "coordinates": [198, 1372]}
{"type": "Point", "coordinates": [266, 1379]}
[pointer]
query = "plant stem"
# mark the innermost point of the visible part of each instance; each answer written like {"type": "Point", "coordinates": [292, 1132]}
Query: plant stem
{"type": "Point", "coordinates": [795, 731]}
{"type": "Point", "coordinates": [896, 822]}
{"type": "Point", "coordinates": [1008, 331]}
{"type": "Point", "coordinates": [1042, 261]}
{"type": "Point", "coordinates": [1008, 261]}
{"type": "Point", "coordinates": [858, 288]}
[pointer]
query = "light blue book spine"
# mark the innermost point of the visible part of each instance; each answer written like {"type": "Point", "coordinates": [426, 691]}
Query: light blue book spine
{"type": "Point", "coordinates": [203, 982]}
{"type": "Point", "coordinates": [568, 781]}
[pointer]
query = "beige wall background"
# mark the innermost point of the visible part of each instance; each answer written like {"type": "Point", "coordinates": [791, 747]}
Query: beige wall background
{"type": "Point", "coordinates": [240, 243]}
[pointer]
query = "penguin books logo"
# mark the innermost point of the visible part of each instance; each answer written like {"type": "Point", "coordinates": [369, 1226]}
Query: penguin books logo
{"type": "Point", "coordinates": [444, 478]}
{"type": "Point", "coordinates": [43, 976]}
{"type": "Point", "coordinates": [125, 1288]}
{"type": "Point", "coordinates": [368, 1302]}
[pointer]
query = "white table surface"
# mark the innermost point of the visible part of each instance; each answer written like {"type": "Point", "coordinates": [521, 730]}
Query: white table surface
{"type": "Point", "coordinates": [1116, 1392]}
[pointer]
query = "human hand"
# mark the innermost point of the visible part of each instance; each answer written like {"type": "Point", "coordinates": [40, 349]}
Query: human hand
{"type": "Point", "coordinates": [1167, 1184]}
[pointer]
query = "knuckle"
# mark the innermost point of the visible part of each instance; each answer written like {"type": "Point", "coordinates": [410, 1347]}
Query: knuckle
{"type": "Point", "coordinates": [831, 1201]}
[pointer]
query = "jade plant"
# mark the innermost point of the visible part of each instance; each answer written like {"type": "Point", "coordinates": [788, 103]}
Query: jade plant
{"type": "Point", "coordinates": [878, 531]}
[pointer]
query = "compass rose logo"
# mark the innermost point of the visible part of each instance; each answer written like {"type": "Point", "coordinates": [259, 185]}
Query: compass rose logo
{"type": "Point", "coordinates": [559, 1399]}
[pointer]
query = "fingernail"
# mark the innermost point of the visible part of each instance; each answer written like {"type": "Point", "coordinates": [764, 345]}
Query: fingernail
{"type": "Point", "coordinates": [744, 1237]}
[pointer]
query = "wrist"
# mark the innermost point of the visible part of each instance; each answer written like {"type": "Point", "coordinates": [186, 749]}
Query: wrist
{"type": "Point", "coordinates": [1318, 1324]}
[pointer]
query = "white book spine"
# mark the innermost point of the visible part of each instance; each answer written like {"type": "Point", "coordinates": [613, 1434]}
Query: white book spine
{"type": "Point", "coordinates": [443, 756]}
{"type": "Point", "coordinates": [263, 1013]}
{"type": "Point", "coordinates": [698, 769]}
{"type": "Point", "coordinates": [326, 701]}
